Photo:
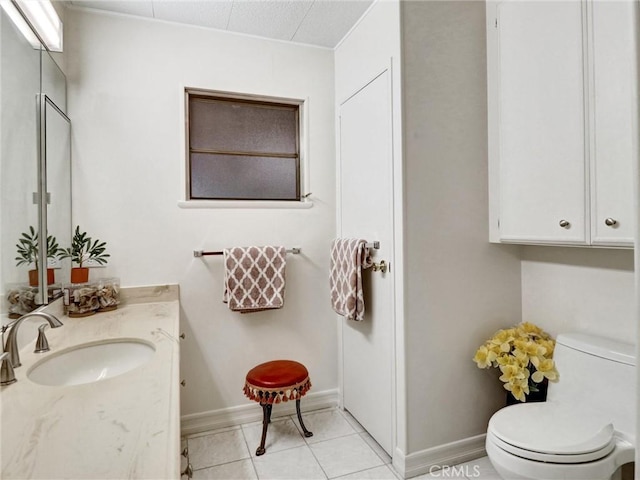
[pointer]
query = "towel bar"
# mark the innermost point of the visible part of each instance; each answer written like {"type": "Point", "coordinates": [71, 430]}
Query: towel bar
{"type": "Point", "coordinates": [202, 253]}
{"type": "Point", "coordinates": [295, 250]}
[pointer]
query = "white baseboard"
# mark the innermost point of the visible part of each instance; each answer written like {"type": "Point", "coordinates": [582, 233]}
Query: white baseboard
{"type": "Point", "coordinates": [432, 459]}
{"type": "Point", "coordinates": [251, 412]}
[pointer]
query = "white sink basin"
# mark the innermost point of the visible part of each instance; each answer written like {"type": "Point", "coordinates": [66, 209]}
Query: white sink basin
{"type": "Point", "coordinates": [91, 362]}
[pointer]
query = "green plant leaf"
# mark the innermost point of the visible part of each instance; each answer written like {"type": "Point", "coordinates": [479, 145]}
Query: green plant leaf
{"type": "Point", "coordinates": [83, 248]}
{"type": "Point", "coordinates": [27, 247]}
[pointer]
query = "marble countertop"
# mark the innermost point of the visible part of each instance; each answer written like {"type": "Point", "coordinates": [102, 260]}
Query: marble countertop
{"type": "Point", "coordinates": [123, 427]}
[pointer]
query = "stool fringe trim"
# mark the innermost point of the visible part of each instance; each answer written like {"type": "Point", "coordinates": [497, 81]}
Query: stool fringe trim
{"type": "Point", "coordinates": [265, 395]}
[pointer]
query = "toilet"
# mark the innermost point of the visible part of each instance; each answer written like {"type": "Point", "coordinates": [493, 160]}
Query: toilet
{"type": "Point", "coordinates": [585, 429]}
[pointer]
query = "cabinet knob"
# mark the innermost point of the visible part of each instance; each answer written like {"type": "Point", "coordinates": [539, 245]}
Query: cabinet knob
{"type": "Point", "coordinates": [183, 383]}
{"type": "Point", "coordinates": [564, 223]}
{"type": "Point", "coordinates": [610, 222]}
{"type": "Point", "coordinates": [182, 336]}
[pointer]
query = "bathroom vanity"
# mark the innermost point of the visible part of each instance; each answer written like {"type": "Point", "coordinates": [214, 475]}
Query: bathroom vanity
{"type": "Point", "coordinates": [124, 426]}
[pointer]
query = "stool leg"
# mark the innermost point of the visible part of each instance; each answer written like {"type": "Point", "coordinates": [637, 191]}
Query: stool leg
{"type": "Point", "coordinates": [269, 407]}
{"type": "Point", "coordinates": [266, 418]}
{"type": "Point", "coordinates": [307, 433]}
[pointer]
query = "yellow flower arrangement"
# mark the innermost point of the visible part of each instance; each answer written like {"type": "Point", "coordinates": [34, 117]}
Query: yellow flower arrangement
{"type": "Point", "coordinates": [523, 354]}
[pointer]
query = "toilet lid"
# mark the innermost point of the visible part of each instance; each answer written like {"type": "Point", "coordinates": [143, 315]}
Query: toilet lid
{"type": "Point", "coordinates": [552, 458]}
{"type": "Point", "coordinates": [551, 428]}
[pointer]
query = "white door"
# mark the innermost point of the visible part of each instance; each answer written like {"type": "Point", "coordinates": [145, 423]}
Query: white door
{"type": "Point", "coordinates": [541, 122]}
{"type": "Point", "coordinates": [366, 201]}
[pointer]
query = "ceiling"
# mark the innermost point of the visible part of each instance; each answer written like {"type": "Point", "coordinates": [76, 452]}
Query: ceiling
{"type": "Point", "coordinates": [316, 22]}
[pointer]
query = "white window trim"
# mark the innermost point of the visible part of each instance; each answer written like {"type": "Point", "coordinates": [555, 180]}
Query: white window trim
{"type": "Point", "coordinates": [304, 203]}
{"type": "Point", "coordinates": [291, 204]}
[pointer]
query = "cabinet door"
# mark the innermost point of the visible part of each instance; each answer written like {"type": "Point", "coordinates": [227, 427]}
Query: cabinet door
{"type": "Point", "coordinates": [541, 122]}
{"type": "Point", "coordinates": [612, 155]}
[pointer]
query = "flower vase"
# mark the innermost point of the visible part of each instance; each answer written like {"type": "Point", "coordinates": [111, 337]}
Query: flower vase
{"type": "Point", "coordinates": [534, 396]}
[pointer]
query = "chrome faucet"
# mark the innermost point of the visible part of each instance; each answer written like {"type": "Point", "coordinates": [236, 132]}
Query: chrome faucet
{"type": "Point", "coordinates": [7, 375]}
{"type": "Point", "coordinates": [11, 346]}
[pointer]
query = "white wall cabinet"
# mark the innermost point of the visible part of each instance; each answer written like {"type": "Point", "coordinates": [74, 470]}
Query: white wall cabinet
{"type": "Point", "coordinates": [560, 140]}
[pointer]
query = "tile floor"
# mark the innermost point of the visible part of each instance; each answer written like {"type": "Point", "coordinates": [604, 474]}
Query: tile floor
{"type": "Point", "coordinates": [340, 448]}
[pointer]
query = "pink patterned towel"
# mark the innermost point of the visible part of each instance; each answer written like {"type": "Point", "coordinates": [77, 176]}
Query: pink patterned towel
{"type": "Point", "coordinates": [349, 256]}
{"type": "Point", "coordinates": [254, 278]}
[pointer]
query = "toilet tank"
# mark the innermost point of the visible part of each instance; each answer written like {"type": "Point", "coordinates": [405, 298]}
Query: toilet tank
{"type": "Point", "coordinates": [597, 373]}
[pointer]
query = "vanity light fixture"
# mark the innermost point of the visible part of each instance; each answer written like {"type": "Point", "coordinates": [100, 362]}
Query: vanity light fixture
{"type": "Point", "coordinates": [19, 21]}
{"type": "Point", "coordinates": [42, 18]}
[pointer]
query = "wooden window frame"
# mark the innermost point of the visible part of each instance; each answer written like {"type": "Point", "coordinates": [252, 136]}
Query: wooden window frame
{"type": "Point", "coordinates": [254, 100]}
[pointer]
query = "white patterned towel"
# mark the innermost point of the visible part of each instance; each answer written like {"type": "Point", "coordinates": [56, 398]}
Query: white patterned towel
{"type": "Point", "coordinates": [349, 256]}
{"type": "Point", "coordinates": [254, 278]}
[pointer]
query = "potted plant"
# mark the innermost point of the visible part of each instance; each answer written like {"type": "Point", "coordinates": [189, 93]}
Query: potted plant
{"type": "Point", "coordinates": [84, 248]}
{"type": "Point", "coordinates": [28, 254]}
{"type": "Point", "coordinates": [523, 354]}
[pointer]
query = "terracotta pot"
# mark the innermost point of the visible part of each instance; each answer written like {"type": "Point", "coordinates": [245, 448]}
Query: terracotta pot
{"type": "Point", "coordinates": [79, 275]}
{"type": "Point", "coordinates": [34, 277]}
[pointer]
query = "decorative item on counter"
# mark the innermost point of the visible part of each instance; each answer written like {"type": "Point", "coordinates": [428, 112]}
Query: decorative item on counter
{"type": "Point", "coordinates": [108, 294]}
{"type": "Point", "coordinates": [523, 354]}
{"type": "Point", "coordinates": [84, 248]}
{"type": "Point", "coordinates": [81, 299]}
{"type": "Point", "coordinates": [21, 299]}
{"type": "Point", "coordinates": [28, 254]}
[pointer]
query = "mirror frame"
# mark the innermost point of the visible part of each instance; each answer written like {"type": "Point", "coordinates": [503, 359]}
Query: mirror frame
{"type": "Point", "coordinates": [43, 101]}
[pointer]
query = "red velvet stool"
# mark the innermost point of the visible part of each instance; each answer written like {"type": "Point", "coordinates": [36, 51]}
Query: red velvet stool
{"type": "Point", "coordinates": [274, 382]}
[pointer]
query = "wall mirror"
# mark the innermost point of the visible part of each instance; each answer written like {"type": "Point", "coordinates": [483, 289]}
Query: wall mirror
{"type": "Point", "coordinates": [54, 168]}
{"type": "Point", "coordinates": [35, 167]}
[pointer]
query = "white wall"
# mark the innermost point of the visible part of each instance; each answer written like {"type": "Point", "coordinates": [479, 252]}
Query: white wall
{"type": "Point", "coordinates": [459, 288]}
{"type": "Point", "coordinates": [369, 48]}
{"type": "Point", "coordinates": [577, 289]}
{"type": "Point", "coordinates": [125, 80]}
